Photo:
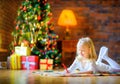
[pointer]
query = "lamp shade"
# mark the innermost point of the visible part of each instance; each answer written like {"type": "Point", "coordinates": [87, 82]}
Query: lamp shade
{"type": "Point", "coordinates": [67, 18]}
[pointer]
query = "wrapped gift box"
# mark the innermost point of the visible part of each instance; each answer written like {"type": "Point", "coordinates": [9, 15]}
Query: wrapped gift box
{"type": "Point", "coordinates": [29, 62]}
{"type": "Point", "coordinates": [8, 62]}
{"type": "Point", "coordinates": [3, 65]}
{"type": "Point", "coordinates": [15, 61]}
{"type": "Point", "coordinates": [46, 64]}
{"type": "Point", "coordinates": [21, 50]}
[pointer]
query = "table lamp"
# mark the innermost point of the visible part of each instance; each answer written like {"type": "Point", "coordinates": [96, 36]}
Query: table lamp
{"type": "Point", "coordinates": [67, 18]}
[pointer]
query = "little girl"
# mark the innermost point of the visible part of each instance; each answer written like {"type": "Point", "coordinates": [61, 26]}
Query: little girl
{"type": "Point", "coordinates": [85, 60]}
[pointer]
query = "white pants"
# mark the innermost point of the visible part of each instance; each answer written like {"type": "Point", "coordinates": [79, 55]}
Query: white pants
{"type": "Point", "coordinates": [112, 66]}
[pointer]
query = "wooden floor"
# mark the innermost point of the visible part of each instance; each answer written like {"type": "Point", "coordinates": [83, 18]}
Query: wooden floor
{"type": "Point", "coordinates": [28, 77]}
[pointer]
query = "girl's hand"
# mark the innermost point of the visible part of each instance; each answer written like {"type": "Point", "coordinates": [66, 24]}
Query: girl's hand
{"type": "Point", "coordinates": [64, 73]}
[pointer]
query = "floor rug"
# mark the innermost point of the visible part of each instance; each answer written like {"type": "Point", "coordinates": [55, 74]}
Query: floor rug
{"type": "Point", "coordinates": [58, 74]}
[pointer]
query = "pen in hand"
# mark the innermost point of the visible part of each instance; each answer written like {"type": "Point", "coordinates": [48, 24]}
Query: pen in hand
{"type": "Point", "coordinates": [65, 67]}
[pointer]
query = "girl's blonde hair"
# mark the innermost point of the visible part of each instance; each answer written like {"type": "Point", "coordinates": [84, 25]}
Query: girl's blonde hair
{"type": "Point", "coordinates": [88, 42]}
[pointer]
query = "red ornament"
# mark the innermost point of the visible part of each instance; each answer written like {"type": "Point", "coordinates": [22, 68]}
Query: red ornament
{"type": "Point", "coordinates": [49, 48]}
{"type": "Point", "coordinates": [56, 64]}
{"type": "Point", "coordinates": [46, 29]}
{"type": "Point", "coordinates": [17, 27]}
{"type": "Point", "coordinates": [52, 28]}
{"type": "Point", "coordinates": [41, 50]}
{"type": "Point", "coordinates": [39, 18]}
{"type": "Point", "coordinates": [12, 51]}
{"type": "Point", "coordinates": [50, 14]}
{"type": "Point", "coordinates": [48, 22]}
{"type": "Point", "coordinates": [24, 8]}
{"type": "Point", "coordinates": [15, 43]}
{"type": "Point", "coordinates": [26, 43]}
{"type": "Point", "coordinates": [31, 45]}
{"type": "Point", "coordinates": [48, 42]}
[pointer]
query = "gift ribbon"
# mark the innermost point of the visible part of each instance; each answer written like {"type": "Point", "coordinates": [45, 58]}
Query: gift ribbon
{"type": "Point", "coordinates": [27, 63]}
{"type": "Point", "coordinates": [48, 65]}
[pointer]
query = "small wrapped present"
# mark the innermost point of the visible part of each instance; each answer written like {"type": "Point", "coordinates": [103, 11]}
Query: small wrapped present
{"type": "Point", "coordinates": [8, 62]}
{"type": "Point", "coordinates": [46, 64]}
{"type": "Point", "coordinates": [15, 61]}
{"type": "Point", "coordinates": [29, 62]}
{"type": "Point", "coordinates": [3, 65]}
{"type": "Point", "coordinates": [21, 50]}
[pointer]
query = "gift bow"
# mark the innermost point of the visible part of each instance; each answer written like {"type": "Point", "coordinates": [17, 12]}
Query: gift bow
{"type": "Point", "coordinates": [27, 63]}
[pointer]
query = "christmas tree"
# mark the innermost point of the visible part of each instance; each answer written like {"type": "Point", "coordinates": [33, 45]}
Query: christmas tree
{"type": "Point", "coordinates": [34, 28]}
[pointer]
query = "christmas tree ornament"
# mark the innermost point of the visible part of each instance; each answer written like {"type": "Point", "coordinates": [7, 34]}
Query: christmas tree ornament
{"type": "Point", "coordinates": [17, 27]}
{"type": "Point", "coordinates": [24, 8]}
{"type": "Point", "coordinates": [39, 18]}
{"type": "Point", "coordinates": [27, 0]}
{"type": "Point", "coordinates": [38, 0]}
{"type": "Point", "coordinates": [49, 14]}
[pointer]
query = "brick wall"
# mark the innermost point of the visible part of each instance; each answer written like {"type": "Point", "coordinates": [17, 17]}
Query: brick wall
{"type": "Point", "coordinates": [98, 19]}
{"type": "Point", "coordinates": [8, 14]}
